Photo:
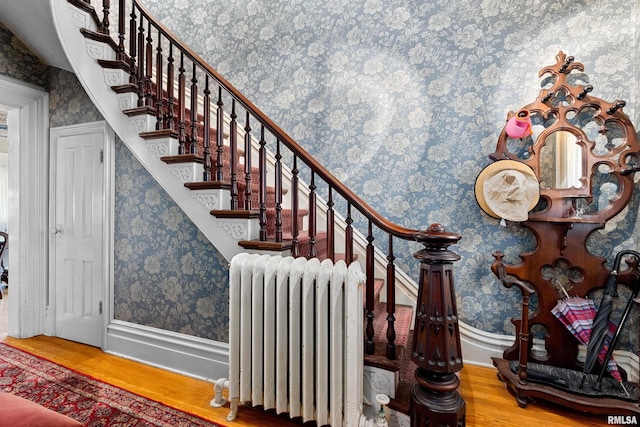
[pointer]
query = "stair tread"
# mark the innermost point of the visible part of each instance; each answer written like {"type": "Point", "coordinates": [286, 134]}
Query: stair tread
{"type": "Point", "coordinates": [402, 324]}
{"type": "Point", "coordinates": [182, 158]}
{"type": "Point", "coordinates": [379, 358]}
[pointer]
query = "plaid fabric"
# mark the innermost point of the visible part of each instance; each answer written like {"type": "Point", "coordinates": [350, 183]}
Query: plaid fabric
{"type": "Point", "coordinates": [577, 315]}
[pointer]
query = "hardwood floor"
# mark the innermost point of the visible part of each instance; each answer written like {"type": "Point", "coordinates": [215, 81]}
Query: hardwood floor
{"type": "Point", "coordinates": [487, 401]}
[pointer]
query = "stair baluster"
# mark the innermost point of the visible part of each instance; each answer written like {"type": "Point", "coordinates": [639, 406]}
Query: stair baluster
{"type": "Point", "coordinates": [233, 147]}
{"type": "Point", "coordinates": [348, 236]}
{"type": "Point", "coordinates": [220, 136]}
{"type": "Point", "coordinates": [391, 302]}
{"type": "Point", "coordinates": [206, 150]}
{"type": "Point", "coordinates": [170, 116]}
{"type": "Point", "coordinates": [263, 186]}
{"type": "Point", "coordinates": [312, 216]}
{"type": "Point", "coordinates": [369, 293]}
{"type": "Point", "coordinates": [331, 226]}
{"type": "Point", "coordinates": [141, 60]}
{"type": "Point", "coordinates": [193, 140]}
{"type": "Point", "coordinates": [278, 185]}
{"type": "Point", "coordinates": [133, 71]}
{"type": "Point", "coordinates": [148, 71]}
{"type": "Point", "coordinates": [247, 164]}
{"type": "Point", "coordinates": [182, 136]}
{"type": "Point", "coordinates": [120, 54]}
{"type": "Point", "coordinates": [104, 26]}
{"type": "Point", "coordinates": [295, 249]}
{"type": "Point", "coordinates": [159, 91]}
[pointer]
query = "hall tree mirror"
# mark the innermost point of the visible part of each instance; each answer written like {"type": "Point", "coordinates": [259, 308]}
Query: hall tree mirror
{"type": "Point", "coordinates": [561, 161]}
{"type": "Point", "coordinates": [579, 153]}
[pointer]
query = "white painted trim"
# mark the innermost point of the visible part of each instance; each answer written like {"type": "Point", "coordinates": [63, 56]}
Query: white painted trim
{"type": "Point", "coordinates": [478, 347]}
{"type": "Point", "coordinates": [28, 122]}
{"type": "Point", "coordinates": [107, 195]}
{"type": "Point", "coordinates": [184, 354]}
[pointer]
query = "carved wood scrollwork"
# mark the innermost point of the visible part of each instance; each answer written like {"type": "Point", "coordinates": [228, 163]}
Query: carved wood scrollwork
{"type": "Point", "coordinates": [603, 133]}
{"type": "Point", "coordinates": [584, 152]}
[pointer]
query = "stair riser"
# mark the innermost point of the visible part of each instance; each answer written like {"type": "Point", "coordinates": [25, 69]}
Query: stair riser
{"type": "Point", "coordinates": [98, 50]}
{"type": "Point", "coordinates": [187, 172]}
{"type": "Point", "coordinates": [213, 199]}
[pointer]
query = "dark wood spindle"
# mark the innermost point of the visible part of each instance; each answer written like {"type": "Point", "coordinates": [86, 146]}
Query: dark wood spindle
{"type": "Point", "coordinates": [104, 25]}
{"type": "Point", "coordinates": [348, 236]}
{"type": "Point", "coordinates": [369, 292]}
{"type": "Point", "coordinates": [133, 36]}
{"type": "Point", "coordinates": [233, 146]}
{"type": "Point", "coordinates": [148, 78]}
{"type": "Point", "coordinates": [278, 184]}
{"type": "Point", "coordinates": [391, 302]}
{"type": "Point", "coordinates": [120, 53]}
{"type": "Point", "coordinates": [193, 140]}
{"type": "Point", "coordinates": [182, 134]}
{"type": "Point", "coordinates": [263, 186]}
{"type": "Point", "coordinates": [141, 59]}
{"type": "Point", "coordinates": [206, 151]}
{"type": "Point", "coordinates": [170, 101]}
{"type": "Point", "coordinates": [159, 90]}
{"type": "Point", "coordinates": [219, 136]}
{"type": "Point", "coordinates": [312, 217]}
{"type": "Point", "coordinates": [295, 248]}
{"type": "Point", "coordinates": [331, 224]}
{"type": "Point", "coordinates": [247, 164]}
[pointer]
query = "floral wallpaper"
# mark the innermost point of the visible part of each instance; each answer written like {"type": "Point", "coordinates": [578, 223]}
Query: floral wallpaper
{"type": "Point", "coordinates": [420, 89]}
{"type": "Point", "coordinates": [68, 102]}
{"type": "Point", "coordinates": [17, 61]}
{"type": "Point", "coordinates": [167, 274]}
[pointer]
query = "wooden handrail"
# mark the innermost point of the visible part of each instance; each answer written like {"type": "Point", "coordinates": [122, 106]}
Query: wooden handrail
{"type": "Point", "coordinates": [355, 201]}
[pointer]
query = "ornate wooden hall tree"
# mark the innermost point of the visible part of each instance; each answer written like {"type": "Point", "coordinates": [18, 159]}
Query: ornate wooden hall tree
{"type": "Point", "coordinates": [584, 151]}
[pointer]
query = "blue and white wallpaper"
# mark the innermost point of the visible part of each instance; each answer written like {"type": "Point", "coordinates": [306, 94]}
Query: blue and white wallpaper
{"type": "Point", "coordinates": [419, 90]}
{"type": "Point", "coordinates": [18, 62]}
{"type": "Point", "coordinates": [166, 274]}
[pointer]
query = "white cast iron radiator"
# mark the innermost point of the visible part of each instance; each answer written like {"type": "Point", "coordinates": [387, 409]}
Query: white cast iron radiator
{"type": "Point", "coordinates": [295, 338]}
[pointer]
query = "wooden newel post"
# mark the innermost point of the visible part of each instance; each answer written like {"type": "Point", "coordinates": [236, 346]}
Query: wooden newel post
{"type": "Point", "coordinates": [435, 400]}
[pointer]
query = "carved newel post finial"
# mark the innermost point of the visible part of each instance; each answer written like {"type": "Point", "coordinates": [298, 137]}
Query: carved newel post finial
{"type": "Point", "coordinates": [436, 341]}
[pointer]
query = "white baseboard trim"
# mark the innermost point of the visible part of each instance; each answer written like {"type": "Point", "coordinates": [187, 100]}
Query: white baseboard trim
{"type": "Point", "coordinates": [478, 347]}
{"type": "Point", "coordinates": [209, 360]}
{"type": "Point", "coordinates": [180, 353]}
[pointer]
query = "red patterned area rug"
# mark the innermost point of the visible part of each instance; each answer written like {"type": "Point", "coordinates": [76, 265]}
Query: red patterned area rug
{"type": "Point", "coordinates": [86, 399]}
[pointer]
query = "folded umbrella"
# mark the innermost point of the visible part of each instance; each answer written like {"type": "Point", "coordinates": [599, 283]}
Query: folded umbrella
{"type": "Point", "coordinates": [600, 327]}
{"type": "Point", "coordinates": [577, 315]}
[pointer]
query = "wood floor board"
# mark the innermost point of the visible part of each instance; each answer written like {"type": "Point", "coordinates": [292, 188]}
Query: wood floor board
{"type": "Point", "coordinates": [488, 403]}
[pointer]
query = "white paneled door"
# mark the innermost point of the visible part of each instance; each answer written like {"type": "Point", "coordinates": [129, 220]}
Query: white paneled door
{"type": "Point", "coordinates": [78, 233]}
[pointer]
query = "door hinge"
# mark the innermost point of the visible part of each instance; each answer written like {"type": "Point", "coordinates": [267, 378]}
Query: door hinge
{"type": "Point", "coordinates": [100, 307]}
{"type": "Point", "coordinates": [101, 156]}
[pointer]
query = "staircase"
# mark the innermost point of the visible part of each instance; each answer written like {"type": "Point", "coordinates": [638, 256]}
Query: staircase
{"type": "Point", "coordinates": [241, 179]}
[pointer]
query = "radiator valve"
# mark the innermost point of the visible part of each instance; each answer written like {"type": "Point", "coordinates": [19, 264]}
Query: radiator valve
{"type": "Point", "coordinates": [383, 400]}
